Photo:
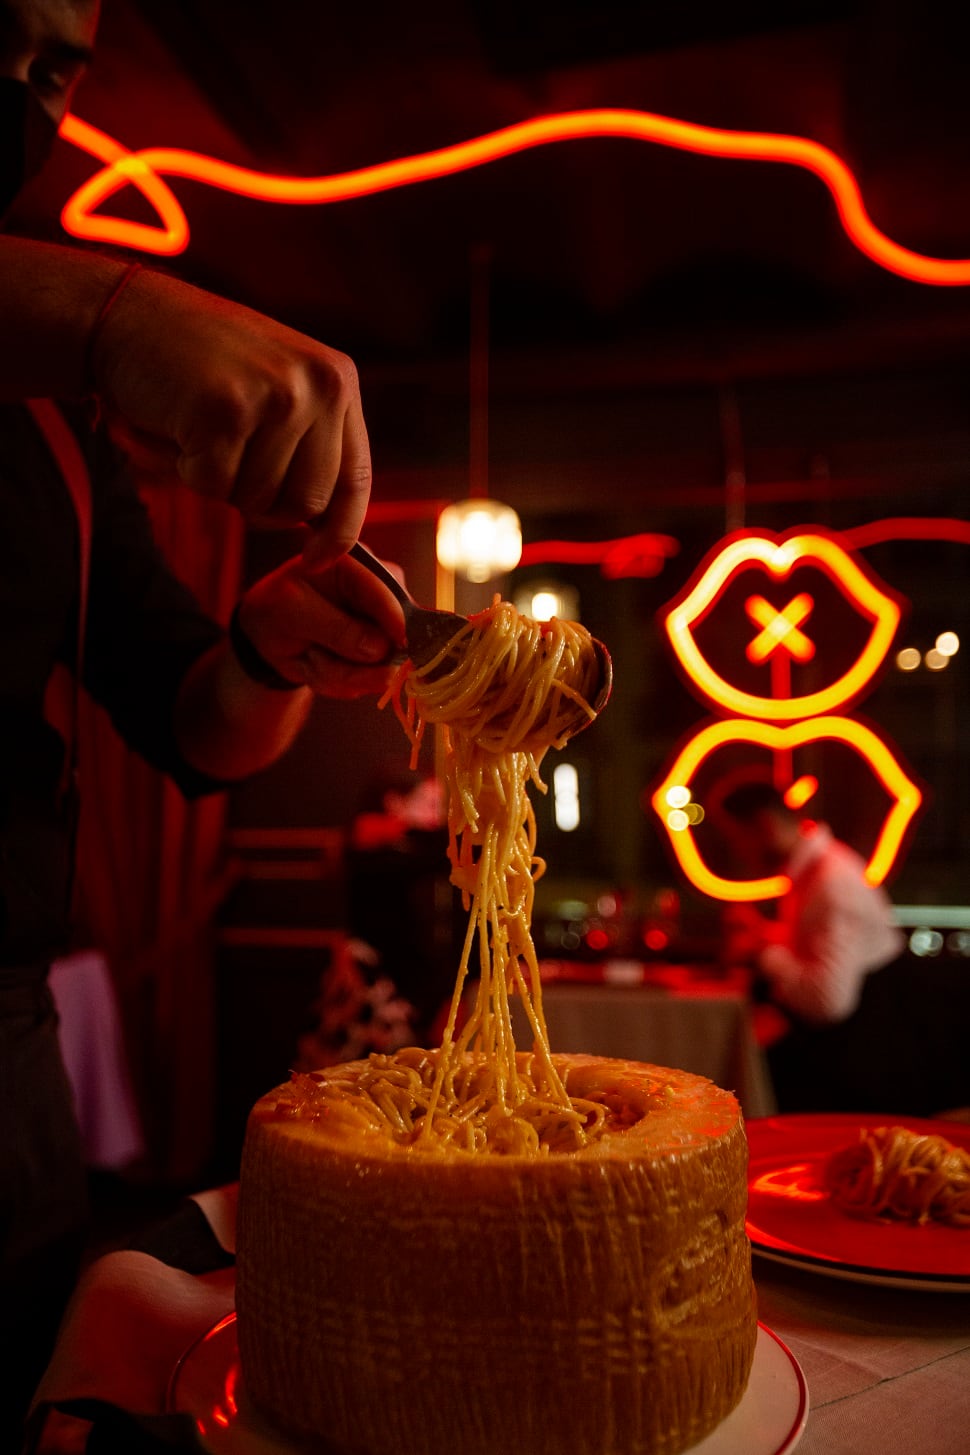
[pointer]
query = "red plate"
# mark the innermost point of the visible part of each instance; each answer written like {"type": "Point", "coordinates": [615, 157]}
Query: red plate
{"type": "Point", "coordinates": [792, 1220]}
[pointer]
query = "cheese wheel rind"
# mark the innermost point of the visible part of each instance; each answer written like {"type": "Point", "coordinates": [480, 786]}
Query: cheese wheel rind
{"type": "Point", "coordinates": [592, 1303]}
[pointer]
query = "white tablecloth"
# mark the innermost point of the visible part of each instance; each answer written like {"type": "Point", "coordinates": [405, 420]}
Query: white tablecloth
{"type": "Point", "coordinates": [888, 1370]}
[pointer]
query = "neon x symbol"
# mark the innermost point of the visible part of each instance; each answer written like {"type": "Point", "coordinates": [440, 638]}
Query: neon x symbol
{"type": "Point", "coordinates": [780, 628]}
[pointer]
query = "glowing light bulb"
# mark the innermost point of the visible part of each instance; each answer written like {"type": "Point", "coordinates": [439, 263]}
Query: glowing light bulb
{"type": "Point", "coordinates": [678, 796]}
{"type": "Point", "coordinates": [948, 644]}
{"type": "Point", "coordinates": [565, 797]}
{"type": "Point", "coordinates": [908, 659]}
{"type": "Point", "coordinates": [479, 538]}
{"type": "Point", "coordinates": [935, 660]}
{"type": "Point", "coordinates": [543, 600]}
{"type": "Point", "coordinates": [545, 605]}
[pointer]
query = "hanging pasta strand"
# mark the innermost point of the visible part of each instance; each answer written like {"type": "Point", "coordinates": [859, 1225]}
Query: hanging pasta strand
{"type": "Point", "coordinates": [503, 692]}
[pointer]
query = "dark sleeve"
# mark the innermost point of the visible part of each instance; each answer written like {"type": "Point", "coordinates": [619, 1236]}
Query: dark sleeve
{"type": "Point", "coordinates": [144, 629]}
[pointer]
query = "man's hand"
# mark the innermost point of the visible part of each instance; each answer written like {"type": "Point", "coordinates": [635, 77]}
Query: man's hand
{"type": "Point", "coordinates": [236, 406]}
{"type": "Point", "coordinates": [333, 628]}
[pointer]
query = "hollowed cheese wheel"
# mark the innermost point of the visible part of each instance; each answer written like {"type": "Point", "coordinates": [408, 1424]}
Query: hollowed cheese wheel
{"type": "Point", "coordinates": [596, 1302]}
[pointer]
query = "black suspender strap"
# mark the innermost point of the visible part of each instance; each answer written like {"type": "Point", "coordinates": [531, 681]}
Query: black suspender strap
{"type": "Point", "coordinates": [70, 461]}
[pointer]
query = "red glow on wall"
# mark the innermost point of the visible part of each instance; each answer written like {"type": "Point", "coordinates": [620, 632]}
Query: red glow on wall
{"type": "Point", "coordinates": [146, 168]}
{"type": "Point", "coordinates": [656, 939]}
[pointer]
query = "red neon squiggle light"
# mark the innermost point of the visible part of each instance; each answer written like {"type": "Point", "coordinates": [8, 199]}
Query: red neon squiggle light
{"type": "Point", "coordinates": [143, 169]}
{"type": "Point", "coordinates": [122, 167]}
{"type": "Point", "coordinates": [907, 528]}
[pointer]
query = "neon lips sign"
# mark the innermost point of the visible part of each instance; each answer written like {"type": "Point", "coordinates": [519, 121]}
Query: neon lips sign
{"type": "Point", "coordinates": [768, 710]}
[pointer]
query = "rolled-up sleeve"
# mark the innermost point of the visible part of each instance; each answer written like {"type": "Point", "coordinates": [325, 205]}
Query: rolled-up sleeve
{"type": "Point", "coordinates": [843, 930]}
{"type": "Point", "coordinates": [821, 981]}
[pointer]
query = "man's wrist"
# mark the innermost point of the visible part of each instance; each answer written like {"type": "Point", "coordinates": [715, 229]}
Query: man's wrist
{"type": "Point", "coordinates": [252, 661]}
{"type": "Point", "coordinates": [119, 284]}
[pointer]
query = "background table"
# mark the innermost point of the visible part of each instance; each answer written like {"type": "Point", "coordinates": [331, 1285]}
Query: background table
{"type": "Point", "coordinates": [888, 1370]}
{"type": "Point", "coordinates": [677, 1017]}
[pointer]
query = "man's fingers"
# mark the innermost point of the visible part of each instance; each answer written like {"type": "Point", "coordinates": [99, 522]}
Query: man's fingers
{"type": "Point", "coordinates": [212, 467]}
{"type": "Point", "coordinates": [331, 677]}
{"type": "Point", "coordinates": [267, 460]}
{"type": "Point", "coordinates": [287, 473]}
{"type": "Point", "coordinates": [152, 460]}
{"type": "Point", "coordinates": [259, 414]}
{"type": "Point", "coordinates": [339, 523]}
{"type": "Point", "coordinates": [310, 457]}
{"type": "Point", "coordinates": [344, 634]}
{"type": "Point", "coordinates": [351, 496]}
{"type": "Point", "coordinates": [335, 629]}
{"type": "Point", "coordinates": [358, 591]}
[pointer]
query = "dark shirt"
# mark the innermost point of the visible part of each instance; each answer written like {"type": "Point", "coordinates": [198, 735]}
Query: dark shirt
{"type": "Point", "coordinates": [144, 630]}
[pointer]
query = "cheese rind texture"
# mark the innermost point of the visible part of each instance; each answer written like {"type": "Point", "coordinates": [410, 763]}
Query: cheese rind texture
{"type": "Point", "coordinates": [597, 1302]}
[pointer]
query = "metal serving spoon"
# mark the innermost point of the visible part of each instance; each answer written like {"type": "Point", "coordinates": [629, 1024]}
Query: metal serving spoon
{"type": "Point", "coordinates": [427, 632]}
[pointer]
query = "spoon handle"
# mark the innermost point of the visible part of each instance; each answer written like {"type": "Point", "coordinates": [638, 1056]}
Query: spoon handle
{"type": "Point", "coordinates": [377, 568]}
{"type": "Point", "coordinates": [427, 631]}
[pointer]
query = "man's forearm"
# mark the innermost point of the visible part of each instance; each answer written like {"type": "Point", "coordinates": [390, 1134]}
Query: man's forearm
{"type": "Point", "coordinates": [822, 984]}
{"type": "Point", "coordinates": [50, 299]}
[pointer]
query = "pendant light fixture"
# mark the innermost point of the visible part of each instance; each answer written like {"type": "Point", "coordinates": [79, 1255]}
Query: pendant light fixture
{"type": "Point", "coordinates": [479, 537]}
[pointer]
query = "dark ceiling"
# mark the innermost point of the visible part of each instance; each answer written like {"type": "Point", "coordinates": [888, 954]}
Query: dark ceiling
{"type": "Point", "coordinates": [614, 265]}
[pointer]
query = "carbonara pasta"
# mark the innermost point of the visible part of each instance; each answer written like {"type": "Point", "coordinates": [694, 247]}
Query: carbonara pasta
{"type": "Point", "coordinates": [504, 691]}
{"type": "Point", "coordinates": [892, 1172]}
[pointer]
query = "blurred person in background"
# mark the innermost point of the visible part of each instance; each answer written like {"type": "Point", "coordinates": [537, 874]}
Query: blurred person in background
{"type": "Point", "coordinates": [198, 391]}
{"type": "Point", "coordinates": [833, 928]}
{"type": "Point", "coordinates": [830, 961]}
{"type": "Point", "coordinates": [392, 984]}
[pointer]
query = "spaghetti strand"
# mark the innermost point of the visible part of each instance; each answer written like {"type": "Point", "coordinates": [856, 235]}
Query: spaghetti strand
{"type": "Point", "coordinates": [892, 1172]}
{"type": "Point", "coordinates": [503, 692]}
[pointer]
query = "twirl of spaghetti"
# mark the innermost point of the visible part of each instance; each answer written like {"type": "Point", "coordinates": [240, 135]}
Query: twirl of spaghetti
{"type": "Point", "coordinates": [893, 1172]}
{"type": "Point", "coordinates": [504, 691]}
